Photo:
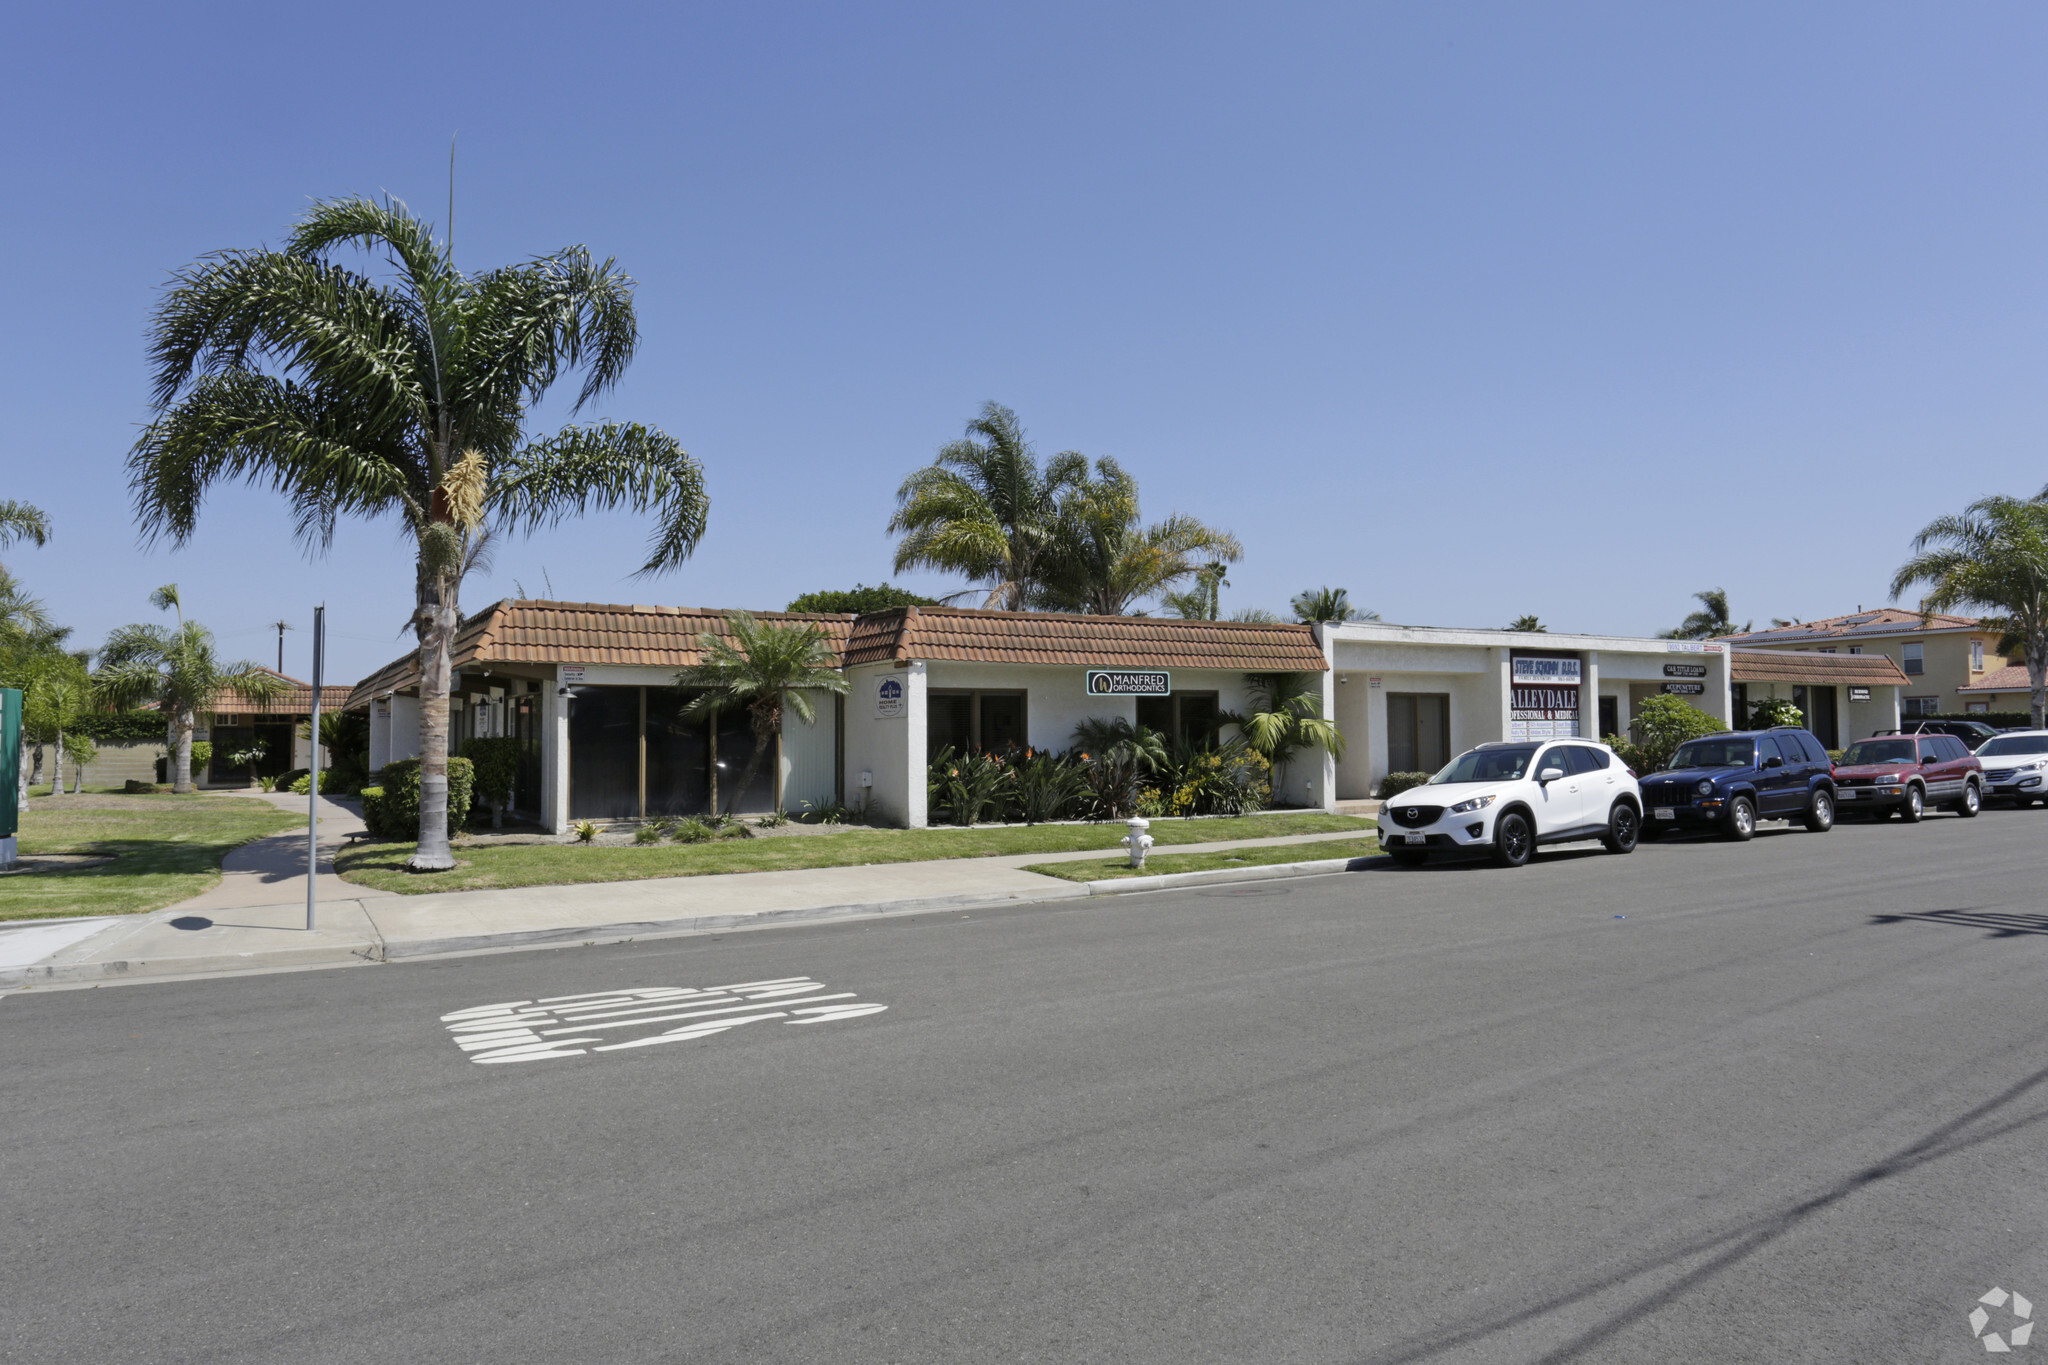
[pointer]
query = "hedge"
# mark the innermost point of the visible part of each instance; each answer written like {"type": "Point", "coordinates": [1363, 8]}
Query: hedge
{"type": "Point", "coordinates": [391, 809]}
{"type": "Point", "coordinates": [2001, 720]}
{"type": "Point", "coordinates": [1393, 784]}
{"type": "Point", "coordinates": [122, 727]}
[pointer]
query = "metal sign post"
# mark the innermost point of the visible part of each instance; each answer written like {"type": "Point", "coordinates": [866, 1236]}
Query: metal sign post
{"type": "Point", "coordinates": [313, 789]}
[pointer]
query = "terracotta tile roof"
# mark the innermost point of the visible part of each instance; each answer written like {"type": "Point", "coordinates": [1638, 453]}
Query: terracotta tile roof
{"type": "Point", "coordinates": [298, 701]}
{"type": "Point", "coordinates": [1799, 666]}
{"type": "Point", "coordinates": [581, 633]}
{"type": "Point", "coordinates": [666, 637]}
{"type": "Point", "coordinates": [1882, 621]}
{"type": "Point", "coordinates": [2011, 678]}
{"type": "Point", "coordinates": [1029, 637]}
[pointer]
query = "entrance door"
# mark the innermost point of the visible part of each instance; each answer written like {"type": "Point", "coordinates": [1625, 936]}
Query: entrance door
{"type": "Point", "coordinates": [1418, 731]}
{"type": "Point", "coordinates": [1610, 718]}
{"type": "Point", "coordinates": [1817, 704]}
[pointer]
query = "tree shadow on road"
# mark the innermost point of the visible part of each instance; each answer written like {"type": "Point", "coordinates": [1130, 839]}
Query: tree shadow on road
{"type": "Point", "coordinates": [1996, 923]}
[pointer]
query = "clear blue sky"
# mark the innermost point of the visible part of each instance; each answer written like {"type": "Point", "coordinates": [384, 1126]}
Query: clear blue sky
{"type": "Point", "coordinates": [1474, 310]}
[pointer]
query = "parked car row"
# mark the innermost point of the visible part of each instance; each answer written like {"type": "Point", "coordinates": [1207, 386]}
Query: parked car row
{"type": "Point", "coordinates": [1508, 799]}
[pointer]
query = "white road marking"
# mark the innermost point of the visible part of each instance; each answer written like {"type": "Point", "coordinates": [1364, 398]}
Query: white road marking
{"type": "Point", "coordinates": [531, 1030]}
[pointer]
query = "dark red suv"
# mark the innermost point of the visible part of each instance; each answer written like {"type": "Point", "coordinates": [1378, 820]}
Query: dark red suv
{"type": "Point", "coordinates": [1910, 774]}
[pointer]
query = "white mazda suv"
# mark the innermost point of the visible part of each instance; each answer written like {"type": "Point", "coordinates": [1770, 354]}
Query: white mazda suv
{"type": "Point", "coordinates": [1508, 798]}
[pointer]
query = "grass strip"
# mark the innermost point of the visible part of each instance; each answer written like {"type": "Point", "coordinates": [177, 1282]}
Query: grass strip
{"type": "Point", "coordinates": [1158, 865]}
{"type": "Point", "coordinates": [165, 849]}
{"type": "Point", "coordinates": [510, 865]}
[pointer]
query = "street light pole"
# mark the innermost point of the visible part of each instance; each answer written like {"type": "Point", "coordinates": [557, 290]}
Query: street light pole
{"type": "Point", "coordinates": [313, 789]}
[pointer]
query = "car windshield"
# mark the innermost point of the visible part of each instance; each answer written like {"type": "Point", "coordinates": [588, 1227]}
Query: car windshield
{"type": "Point", "coordinates": [2006, 746]}
{"type": "Point", "coordinates": [1503, 763]}
{"type": "Point", "coordinates": [1880, 751]}
{"type": "Point", "coordinates": [1716, 753]}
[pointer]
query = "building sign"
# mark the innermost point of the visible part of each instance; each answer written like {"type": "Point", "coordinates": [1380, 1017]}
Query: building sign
{"type": "Point", "coordinates": [1544, 700]}
{"type": "Point", "coordinates": [572, 675]}
{"type": "Point", "coordinates": [1104, 682]}
{"type": "Point", "coordinates": [889, 699]}
{"type": "Point", "coordinates": [1684, 671]}
{"type": "Point", "coordinates": [1685, 689]}
{"type": "Point", "coordinates": [1692, 647]}
{"type": "Point", "coordinates": [1859, 694]}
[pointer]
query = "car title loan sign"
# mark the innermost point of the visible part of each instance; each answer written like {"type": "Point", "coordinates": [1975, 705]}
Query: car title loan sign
{"type": "Point", "coordinates": [1545, 701]}
{"type": "Point", "coordinates": [1116, 682]}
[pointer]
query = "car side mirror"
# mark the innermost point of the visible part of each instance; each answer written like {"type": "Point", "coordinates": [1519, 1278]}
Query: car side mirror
{"type": "Point", "coordinates": [1551, 775]}
{"type": "Point", "coordinates": [1774, 762]}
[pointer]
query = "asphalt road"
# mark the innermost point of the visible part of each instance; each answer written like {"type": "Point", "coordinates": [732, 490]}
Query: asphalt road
{"type": "Point", "coordinates": [1789, 1108]}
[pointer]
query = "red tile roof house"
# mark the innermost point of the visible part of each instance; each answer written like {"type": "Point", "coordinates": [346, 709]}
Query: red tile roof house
{"type": "Point", "coordinates": [590, 689]}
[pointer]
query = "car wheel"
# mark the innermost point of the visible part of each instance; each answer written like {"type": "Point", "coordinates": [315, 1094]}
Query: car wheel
{"type": "Point", "coordinates": [1624, 827]}
{"type": "Point", "coordinates": [1972, 802]}
{"type": "Point", "coordinates": [1914, 807]}
{"type": "Point", "coordinates": [1513, 840]}
{"type": "Point", "coordinates": [1741, 821]}
{"type": "Point", "coordinates": [1820, 815]}
{"type": "Point", "coordinates": [1407, 857]}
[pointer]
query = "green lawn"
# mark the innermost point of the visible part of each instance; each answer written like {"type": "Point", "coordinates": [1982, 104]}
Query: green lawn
{"type": "Point", "coordinates": [484, 865]}
{"type": "Point", "coordinates": [1158, 865]}
{"type": "Point", "coordinates": [166, 848]}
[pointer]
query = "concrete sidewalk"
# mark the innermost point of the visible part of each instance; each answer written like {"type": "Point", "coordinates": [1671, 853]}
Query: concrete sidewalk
{"type": "Point", "coordinates": [221, 932]}
{"type": "Point", "coordinates": [272, 871]}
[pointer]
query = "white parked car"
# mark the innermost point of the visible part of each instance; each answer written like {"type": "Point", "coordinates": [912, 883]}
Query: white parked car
{"type": "Point", "coordinates": [2015, 766]}
{"type": "Point", "coordinates": [1509, 798]}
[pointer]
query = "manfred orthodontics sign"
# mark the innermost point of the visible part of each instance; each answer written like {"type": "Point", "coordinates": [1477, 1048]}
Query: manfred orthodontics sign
{"type": "Point", "coordinates": [1545, 697]}
{"type": "Point", "coordinates": [889, 699]}
{"type": "Point", "coordinates": [1107, 682]}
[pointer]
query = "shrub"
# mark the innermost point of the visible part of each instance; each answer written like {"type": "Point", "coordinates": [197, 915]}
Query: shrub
{"type": "Point", "coordinates": [202, 754]}
{"type": "Point", "coordinates": [1393, 784]}
{"type": "Point", "coordinates": [586, 831]}
{"type": "Point", "coordinates": [860, 598]}
{"type": "Point", "coordinates": [1150, 804]}
{"type": "Point", "coordinates": [135, 787]}
{"type": "Point", "coordinates": [398, 799]}
{"type": "Point", "coordinates": [1229, 779]}
{"type": "Point", "coordinates": [969, 786]}
{"type": "Point", "coordinates": [773, 820]}
{"type": "Point", "coordinates": [647, 834]}
{"type": "Point", "coordinates": [497, 767]}
{"type": "Point", "coordinates": [331, 784]}
{"type": "Point", "coordinates": [1661, 724]}
{"type": "Point", "coordinates": [286, 780]}
{"type": "Point", "coordinates": [693, 831]}
{"type": "Point", "coordinates": [1769, 711]}
{"type": "Point", "coordinates": [120, 727]}
{"type": "Point", "coordinates": [1046, 786]}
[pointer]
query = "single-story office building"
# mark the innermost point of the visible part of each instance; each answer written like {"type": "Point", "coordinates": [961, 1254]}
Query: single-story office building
{"type": "Point", "coordinates": [590, 691]}
{"type": "Point", "coordinates": [1410, 698]}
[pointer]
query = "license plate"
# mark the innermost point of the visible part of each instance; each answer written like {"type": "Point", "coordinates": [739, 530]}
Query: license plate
{"type": "Point", "coordinates": [1415, 838]}
{"type": "Point", "coordinates": [1664, 813]}
{"type": "Point", "coordinates": [1846, 795]}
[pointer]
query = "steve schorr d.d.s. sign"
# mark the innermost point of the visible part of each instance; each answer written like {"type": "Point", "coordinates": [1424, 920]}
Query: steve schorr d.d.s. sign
{"type": "Point", "coordinates": [1545, 701]}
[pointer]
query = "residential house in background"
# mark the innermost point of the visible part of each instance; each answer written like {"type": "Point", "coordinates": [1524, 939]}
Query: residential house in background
{"type": "Point", "coordinates": [1942, 656]}
{"type": "Point", "coordinates": [2008, 690]}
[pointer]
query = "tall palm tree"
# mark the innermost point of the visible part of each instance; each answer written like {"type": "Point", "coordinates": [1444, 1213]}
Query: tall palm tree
{"type": "Point", "coordinates": [55, 690]}
{"type": "Point", "coordinates": [1285, 716]}
{"type": "Point", "coordinates": [1710, 620]}
{"type": "Point", "coordinates": [180, 671]}
{"type": "Point", "coordinates": [1328, 604]}
{"type": "Point", "coordinates": [1203, 599]}
{"type": "Point", "coordinates": [20, 521]}
{"type": "Point", "coordinates": [766, 670]}
{"type": "Point", "coordinates": [986, 509]}
{"type": "Point", "coordinates": [404, 398]}
{"type": "Point", "coordinates": [1992, 557]}
{"type": "Point", "coordinates": [1528, 622]}
{"type": "Point", "coordinates": [1106, 560]}
{"type": "Point", "coordinates": [23, 619]}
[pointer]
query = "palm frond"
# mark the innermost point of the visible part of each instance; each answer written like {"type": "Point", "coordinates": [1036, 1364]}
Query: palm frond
{"type": "Point", "coordinates": [21, 521]}
{"type": "Point", "coordinates": [604, 467]}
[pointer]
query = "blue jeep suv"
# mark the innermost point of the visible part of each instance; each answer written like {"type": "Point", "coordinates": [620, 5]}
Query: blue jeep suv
{"type": "Point", "coordinates": [1730, 781]}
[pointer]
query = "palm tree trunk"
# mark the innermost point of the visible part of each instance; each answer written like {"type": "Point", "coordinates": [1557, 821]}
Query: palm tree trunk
{"type": "Point", "coordinates": [436, 626]}
{"type": "Point", "coordinates": [181, 754]}
{"type": "Point", "coordinates": [2037, 674]}
{"type": "Point", "coordinates": [57, 769]}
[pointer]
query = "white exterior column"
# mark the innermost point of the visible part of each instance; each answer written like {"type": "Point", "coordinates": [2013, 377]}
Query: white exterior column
{"type": "Point", "coordinates": [1589, 696]}
{"type": "Point", "coordinates": [916, 799]}
{"type": "Point", "coordinates": [1503, 658]}
{"type": "Point", "coordinates": [554, 758]}
{"type": "Point", "coordinates": [380, 734]}
{"type": "Point", "coordinates": [1721, 684]}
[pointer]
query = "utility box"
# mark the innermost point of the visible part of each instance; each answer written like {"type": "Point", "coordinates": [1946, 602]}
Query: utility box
{"type": "Point", "coordinates": [10, 774]}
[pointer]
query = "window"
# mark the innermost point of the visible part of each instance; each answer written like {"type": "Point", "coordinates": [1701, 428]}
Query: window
{"type": "Point", "coordinates": [973, 722]}
{"type": "Point", "coordinates": [1920, 706]}
{"type": "Point", "coordinates": [1766, 750]}
{"type": "Point", "coordinates": [1974, 707]}
{"type": "Point", "coordinates": [1192, 717]}
{"type": "Point", "coordinates": [1916, 657]}
{"type": "Point", "coordinates": [1976, 656]}
{"type": "Point", "coordinates": [1855, 649]}
{"type": "Point", "coordinates": [1829, 650]}
{"type": "Point", "coordinates": [1584, 760]}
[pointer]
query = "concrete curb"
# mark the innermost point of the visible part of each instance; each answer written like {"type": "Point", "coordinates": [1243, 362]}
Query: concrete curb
{"type": "Point", "coordinates": [375, 951]}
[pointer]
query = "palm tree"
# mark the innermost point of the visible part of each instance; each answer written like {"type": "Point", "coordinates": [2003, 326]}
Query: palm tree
{"type": "Point", "coordinates": [1993, 557]}
{"type": "Point", "coordinates": [1285, 716]}
{"type": "Point", "coordinates": [1256, 616]}
{"type": "Point", "coordinates": [1711, 620]}
{"type": "Point", "coordinates": [765, 669]}
{"type": "Point", "coordinates": [23, 619]}
{"type": "Point", "coordinates": [406, 398]}
{"type": "Point", "coordinates": [986, 509]}
{"type": "Point", "coordinates": [179, 671]}
{"type": "Point", "coordinates": [1203, 601]}
{"type": "Point", "coordinates": [1529, 623]}
{"type": "Point", "coordinates": [1106, 561]}
{"type": "Point", "coordinates": [1328, 604]}
{"type": "Point", "coordinates": [55, 690]}
{"type": "Point", "coordinates": [19, 521]}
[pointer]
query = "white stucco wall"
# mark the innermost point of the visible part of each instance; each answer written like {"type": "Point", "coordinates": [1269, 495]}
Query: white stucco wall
{"type": "Point", "coordinates": [891, 749]}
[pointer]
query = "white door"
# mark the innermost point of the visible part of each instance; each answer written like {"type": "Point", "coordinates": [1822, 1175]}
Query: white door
{"type": "Point", "coordinates": [1560, 803]}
